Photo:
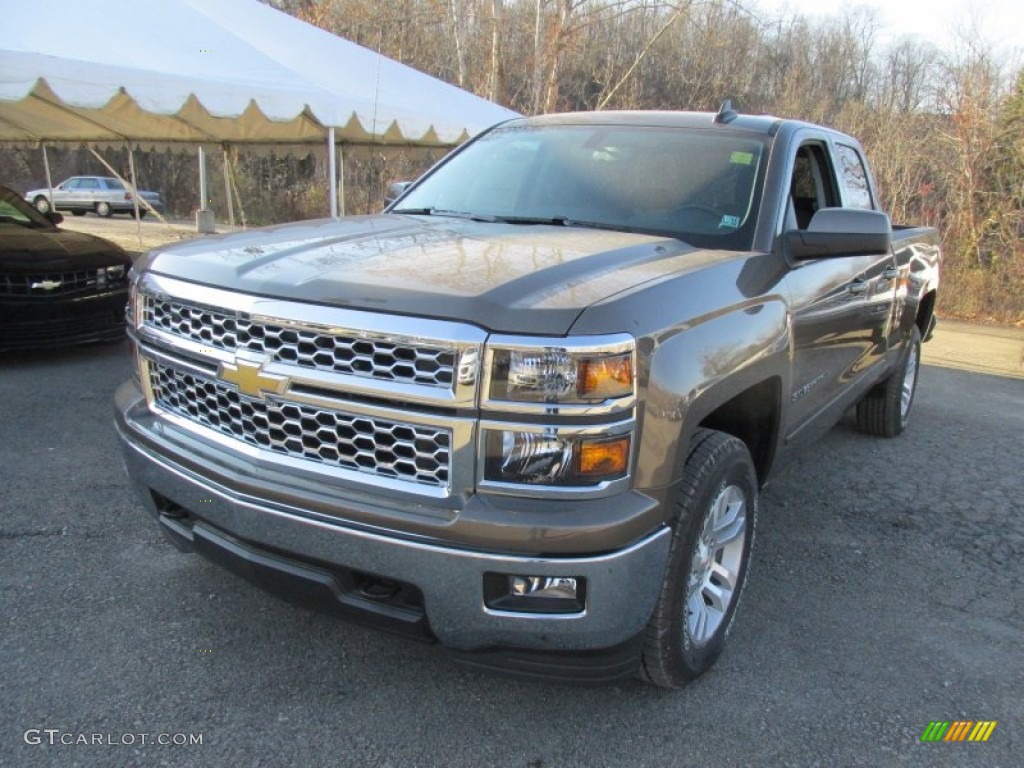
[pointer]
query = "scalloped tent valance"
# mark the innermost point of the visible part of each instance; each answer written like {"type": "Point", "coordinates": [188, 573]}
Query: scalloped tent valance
{"type": "Point", "coordinates": [160, 73]}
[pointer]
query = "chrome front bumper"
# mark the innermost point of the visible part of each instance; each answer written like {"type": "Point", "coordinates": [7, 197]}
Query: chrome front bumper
{"type": "Point", "coordinates": [621, 592]}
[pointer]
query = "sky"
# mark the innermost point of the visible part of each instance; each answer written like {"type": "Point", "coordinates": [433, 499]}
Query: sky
{"type": "Point", "coordinates": [1001, 22]}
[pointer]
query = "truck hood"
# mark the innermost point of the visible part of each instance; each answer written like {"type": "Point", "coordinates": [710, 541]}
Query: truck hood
{"type": "Point", "coordinates": [502, 277]}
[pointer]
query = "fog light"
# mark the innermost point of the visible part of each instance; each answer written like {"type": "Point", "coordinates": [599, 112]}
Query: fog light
{"type": "Point", "coordinates": [534, 594]}
{"type": "Point", "coordinates": [544, 586]}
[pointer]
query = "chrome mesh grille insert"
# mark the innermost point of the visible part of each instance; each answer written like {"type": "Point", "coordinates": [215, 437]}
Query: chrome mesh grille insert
{"type": "Point", "coordinates": [375, 446]}
{"type": "Point", "coordinates": [364, 356]}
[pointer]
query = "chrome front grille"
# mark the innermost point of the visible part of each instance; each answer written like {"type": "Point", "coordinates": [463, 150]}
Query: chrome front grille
{"type": "Point", "coordinates": [306, 346]}
{"type": "Point", "coordinates": [379, 447]}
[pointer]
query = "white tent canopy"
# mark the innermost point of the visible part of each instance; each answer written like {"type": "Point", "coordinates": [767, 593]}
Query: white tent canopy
{"type": "Point", "coordinates": [160, 72]}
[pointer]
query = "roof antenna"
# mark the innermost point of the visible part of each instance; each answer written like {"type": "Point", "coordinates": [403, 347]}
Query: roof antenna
{"type": "Point", "coordinates": [726, 114]}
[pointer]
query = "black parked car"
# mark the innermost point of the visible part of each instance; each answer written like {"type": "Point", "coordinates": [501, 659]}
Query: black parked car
{"type": "Point", "coordinates": [56, 287]}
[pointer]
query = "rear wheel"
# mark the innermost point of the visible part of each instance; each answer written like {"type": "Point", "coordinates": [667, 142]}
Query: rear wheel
{"type": "Point", "coordinates": [103, 209]}
{"type": "Point", "coordinates": [708, 559]}
{"type": "Point", "coordinates": [142, 213]}
{"type": "Point", "coordinates": [885, 410]}
{"type": "Point", "coordinates": [78, 212]}
{"type": "Point", "coordinates": [42, 204]}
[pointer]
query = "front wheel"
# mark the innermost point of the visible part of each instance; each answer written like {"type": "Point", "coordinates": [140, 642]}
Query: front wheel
{"type": "Point", "coordinates": [716, 511]}
{"type": "Point", "coordinates": [42, 204]}
{"type": "Point", "coordinates": [885, 410]}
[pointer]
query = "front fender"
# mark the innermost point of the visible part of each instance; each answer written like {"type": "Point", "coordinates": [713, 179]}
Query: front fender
{"type": "Point", "coordinates": [694, 368]}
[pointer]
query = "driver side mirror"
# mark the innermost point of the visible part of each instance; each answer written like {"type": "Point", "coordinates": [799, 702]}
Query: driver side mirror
{"type": "Point", "coordinates": [837, 232]}
{"type": "Point", "coordinates": [396, 190]}
{"type": "Point", "coordinates": [54, 217]}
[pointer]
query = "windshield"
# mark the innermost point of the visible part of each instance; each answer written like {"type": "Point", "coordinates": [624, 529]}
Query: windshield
{"type": "Point", "coordinates": [14, 210]}
{"type": "Point", "coordinates": [702, 186]}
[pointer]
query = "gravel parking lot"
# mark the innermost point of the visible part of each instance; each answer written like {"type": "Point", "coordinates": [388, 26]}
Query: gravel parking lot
{"type": "Point", "coordinates": [886, 592]}
{"type": "Point", "coordinates": [135, 237]}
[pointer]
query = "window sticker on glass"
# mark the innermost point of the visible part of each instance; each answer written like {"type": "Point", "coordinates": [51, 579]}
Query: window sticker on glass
{"type": "Point", "coordinates": [741, 158]}
{"type": "Point", "coordinates": [729, 222]}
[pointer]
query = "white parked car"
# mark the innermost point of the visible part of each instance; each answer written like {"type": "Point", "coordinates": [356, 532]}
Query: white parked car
{"type": "Point", "coordinates": [105, 195]}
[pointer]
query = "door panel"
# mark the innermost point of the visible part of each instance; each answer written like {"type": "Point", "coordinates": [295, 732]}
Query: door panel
{"type": "Point", "coordinates": [841, 310]}
{"type": "Point", "coordinates": [64, 194]}
{"type": "Point", "coordinates": [841, 307]}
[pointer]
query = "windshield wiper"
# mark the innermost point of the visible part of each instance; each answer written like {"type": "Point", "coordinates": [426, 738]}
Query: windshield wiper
{"type": "Point", "coordinates": [444, 212]}
{"type": "Point", "coordinates": [599, 225]}
{"type": "Point", "coordinates": [564, 221]}
{"type": "Point", "coordinates": [557, 221]}
{"type": "Point", "coordinates": [413, 211]}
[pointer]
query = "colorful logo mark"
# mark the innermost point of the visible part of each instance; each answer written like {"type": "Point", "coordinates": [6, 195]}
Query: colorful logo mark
{"type": "Point", "coordinates": [958, 730]}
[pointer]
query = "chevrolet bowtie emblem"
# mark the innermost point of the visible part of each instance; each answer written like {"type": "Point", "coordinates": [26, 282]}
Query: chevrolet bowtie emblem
{"type": "Point", "coordinates": [47, 285]}
{"type": "Point", "coordinates": [250, 378]}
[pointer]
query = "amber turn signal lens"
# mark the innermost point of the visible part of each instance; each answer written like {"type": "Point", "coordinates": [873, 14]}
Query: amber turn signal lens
{"type": "Point", "coordinates": [606, 377]}
{"type": "Point", "coordinates": [605, 459]}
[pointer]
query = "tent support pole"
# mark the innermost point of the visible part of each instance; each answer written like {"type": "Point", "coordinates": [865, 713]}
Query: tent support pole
{"type": "Point", "coordinates": [227, 188]}
{"type": "Point", "coordinates": [332, 172]}
{"type": "Point", "coordinates": [202, 179]}
{"type": "Point", "coordinates": [49, 181]}
{"type": "Point", "coordinates": [129, 185]}
{"type": "Point", "coordinates": [341, 178]}
{"type": "Point", "coordinates": [204, 216]}
{"type": "Point", "coordinates": [135, 193]}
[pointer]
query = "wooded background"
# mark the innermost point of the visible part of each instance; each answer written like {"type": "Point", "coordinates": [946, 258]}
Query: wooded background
{"type": "Point", "coordinates": [944, 129]}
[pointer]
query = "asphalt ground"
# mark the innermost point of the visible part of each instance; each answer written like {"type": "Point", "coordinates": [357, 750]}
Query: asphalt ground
{"type": "Point", "coordinates": [885, 593]}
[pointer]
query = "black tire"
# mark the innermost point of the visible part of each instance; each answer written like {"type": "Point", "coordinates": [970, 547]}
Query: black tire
{"type": "Point", "coordinates": [103, 209]}
{"type": "Point", "coordinates": [42, 204]}
{"type": "Point", "coordinates": [885, 410]}
{"type": "Point", "coordinates": [719, 484]}
{"type": "Point", "coordinates": [78, 212]}
{"type": "Point", "coordinates": [142, 214]}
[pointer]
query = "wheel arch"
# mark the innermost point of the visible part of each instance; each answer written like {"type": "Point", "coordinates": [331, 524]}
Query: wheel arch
{"type": "Point", "coordinates": [753, 416]}
{"type": "Point", "coordinates": [925, 319]}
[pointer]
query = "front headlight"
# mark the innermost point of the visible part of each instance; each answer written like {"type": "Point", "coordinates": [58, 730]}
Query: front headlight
{"type": "Point", "coordinates": [562, 414]}
{"type": "Point", "coordinates": [553, 457]}
{"type": "Point", "coordinates": [105, 275]}
{"type": "Point", "coordinates": [566, 371]}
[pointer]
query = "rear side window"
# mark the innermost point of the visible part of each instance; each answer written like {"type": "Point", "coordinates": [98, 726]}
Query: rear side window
{"type": "Point", "coordinates": [855, 178]}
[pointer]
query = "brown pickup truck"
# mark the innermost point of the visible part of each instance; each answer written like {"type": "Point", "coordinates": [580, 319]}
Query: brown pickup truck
{"type": "Point", "coordinates": [527, 410]}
